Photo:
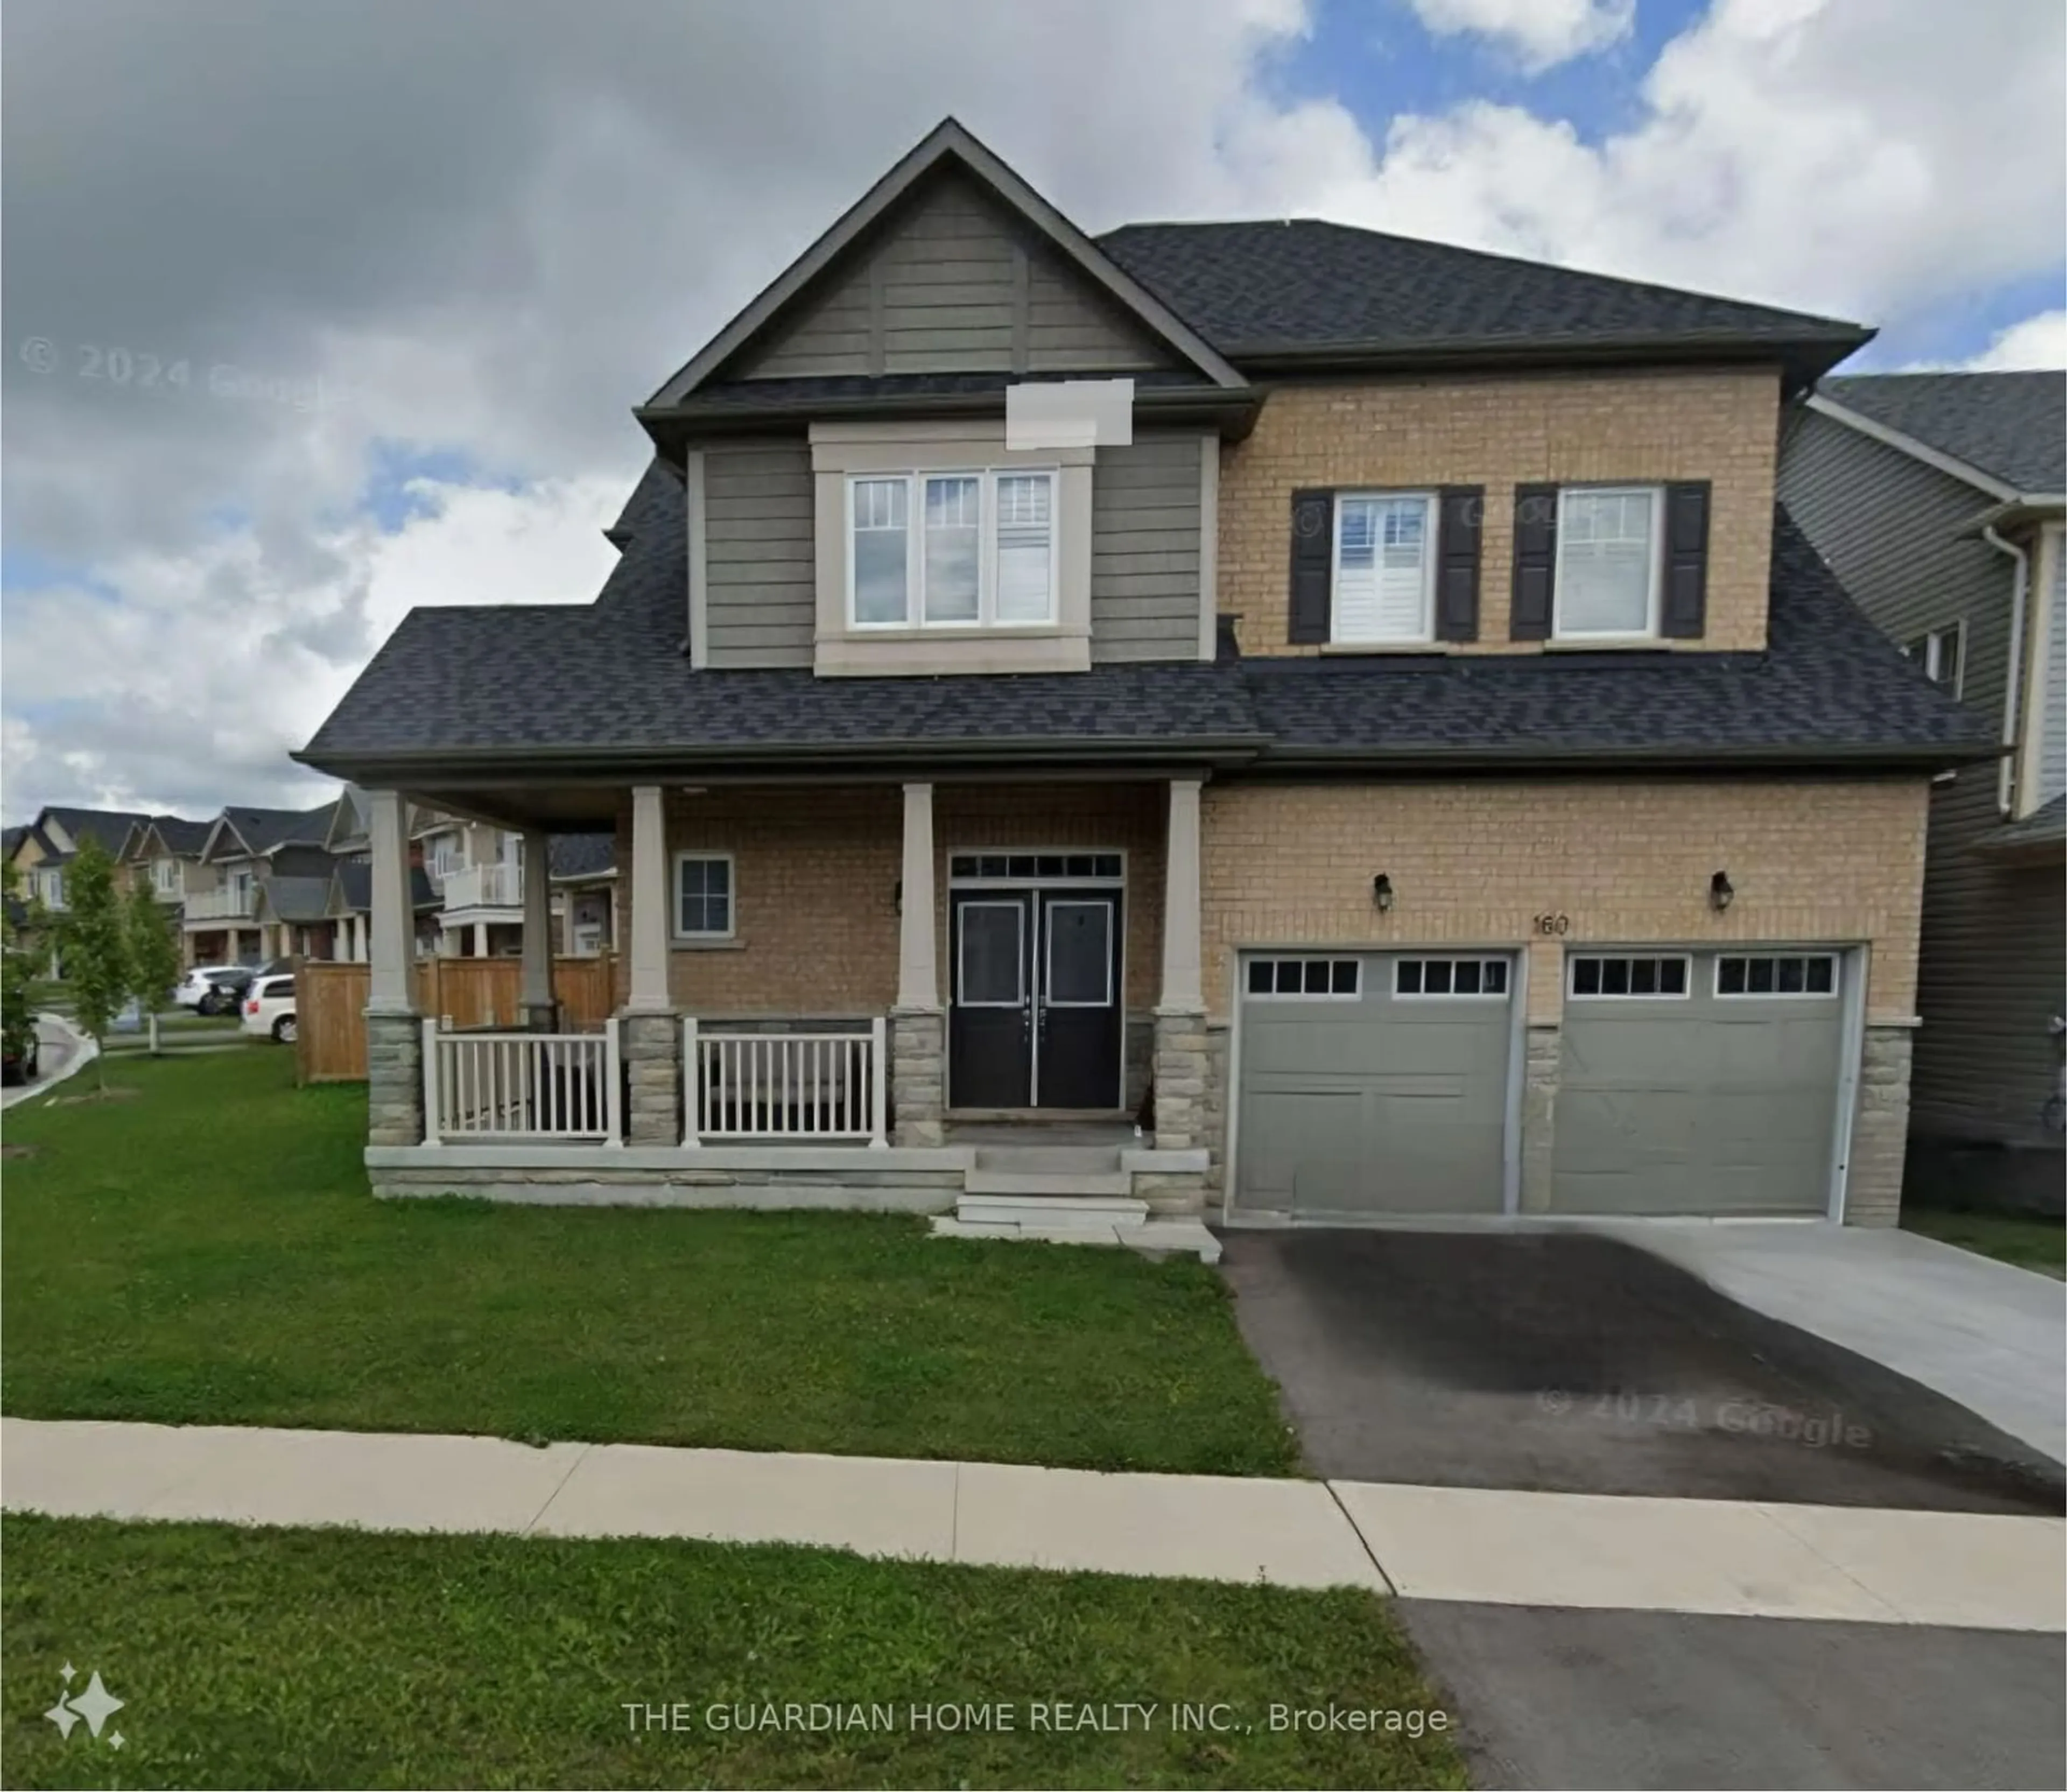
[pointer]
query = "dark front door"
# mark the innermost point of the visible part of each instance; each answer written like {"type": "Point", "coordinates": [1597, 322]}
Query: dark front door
{"type": "Point", "coordinates": [1035, 1019]}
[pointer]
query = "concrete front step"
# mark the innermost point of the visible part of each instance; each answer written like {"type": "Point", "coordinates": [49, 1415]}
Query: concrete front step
{"type": "Point", "coordinates": [1050, 1210]}
{"type": "Point", "coordinates": [1076, 1184]}
{"type": "Point", "coordinates": [1063, 1160]}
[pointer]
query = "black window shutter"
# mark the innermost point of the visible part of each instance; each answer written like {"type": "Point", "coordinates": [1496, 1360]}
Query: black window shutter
{"type": "Point", "coordinates": [1463, 508]}
{"type": "Point", "coordinates": [1312, 564]}
{"type": "Point", "coordinates": [1685, 612]}
{"type": "Point", "coordinates": [1535, 562]}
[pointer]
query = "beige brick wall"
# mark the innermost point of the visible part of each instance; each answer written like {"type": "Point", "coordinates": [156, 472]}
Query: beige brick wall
{"type": "Point", "coordinates": [815, 870]}
{"type": "Point", "coordinates": [1416, 433]}
{"type": "Point", "coordinates": [1627, 859]}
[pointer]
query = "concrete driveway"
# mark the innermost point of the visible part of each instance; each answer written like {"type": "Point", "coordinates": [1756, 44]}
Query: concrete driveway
{"type": "Point", "coordinates": [1565, 1360]}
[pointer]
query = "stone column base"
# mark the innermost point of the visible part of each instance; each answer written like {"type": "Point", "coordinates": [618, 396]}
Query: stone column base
{"type": "Point", "coordinates": [540, 1017]}
{"type": "Point", "coordinates": [1174, 1194]}
{"type": "Point", "coordinates": [1181, 1072]}
{"type": "Point", "coordinates": [652, 1048]}
{"type": "Point", "coordinates": [395, 1079]}
{"type": "Point", "coordinates": [918, 1076]}
{"type": "Point", "coordinates": [1880, 1129]}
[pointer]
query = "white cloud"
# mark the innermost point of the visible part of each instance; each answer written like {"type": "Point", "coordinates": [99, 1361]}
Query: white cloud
{"type": "Point", "coordinates": [507, 278]}
{"type": "Point", "coordinates": [2040, 341]}
{"type": "Point", "coordinates": [1541, 33]}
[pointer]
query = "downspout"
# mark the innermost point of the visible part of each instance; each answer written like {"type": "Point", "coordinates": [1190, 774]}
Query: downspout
{"type": "Point", "coordinates": [2013, 696]}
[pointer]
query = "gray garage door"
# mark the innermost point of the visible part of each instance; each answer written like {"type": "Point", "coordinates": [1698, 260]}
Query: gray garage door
{"type": "Point", "coordinates": [1374, 1083]}
{"type": "Point", "coordinates": [1699, 1083]}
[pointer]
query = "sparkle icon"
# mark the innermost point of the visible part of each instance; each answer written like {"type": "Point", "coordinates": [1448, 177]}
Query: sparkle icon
{"type": "Point", "coordinates": [64, 1716]}
{"type": "Point", "coordinates": [96, 1705]}
{"type": "Point", "coordinates": [115, 1741]}
{"type": "Point", "coordinates": [65, 1673]}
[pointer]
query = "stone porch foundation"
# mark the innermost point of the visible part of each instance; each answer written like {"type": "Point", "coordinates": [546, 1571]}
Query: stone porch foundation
{"type": "Point", "coordinates": [651, 1045]}
{"type": "Point", "coordinates": [394, 1079]}
{"type": "Point", "coordinates": [918, 1076]}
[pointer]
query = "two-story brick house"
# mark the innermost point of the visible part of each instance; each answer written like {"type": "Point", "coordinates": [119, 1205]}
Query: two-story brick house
{"type": "Point", "coordinates": [1376, 726]}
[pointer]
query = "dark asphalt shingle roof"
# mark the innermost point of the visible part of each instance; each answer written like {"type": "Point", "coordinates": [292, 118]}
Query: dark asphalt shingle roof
{"type": "Point", "coordinates": [612, 677]}
{"type": "Point", "coordinates": [296, 899]}
{"type": "Point", "coordinates": [583, 854]}
{"type": "Point", "coordinates": [354, 878]}
{"type": "Point", "coordinates": [108, 826]}
{"type": "Point", "coordinates": [871, 388]}
{"type": "Point", "coordinates": [1828, 683]}
{"type": "Point", "coordinates": [2044, 826]}
{"type": "Point", "coordinates": [2012, 426]}
{"type": "Point", "coordinates": [1303, 284]}
{"type": "Point", "coordinates": [182, 839]}
{"type": "Point", "coordinates": [263, 829]}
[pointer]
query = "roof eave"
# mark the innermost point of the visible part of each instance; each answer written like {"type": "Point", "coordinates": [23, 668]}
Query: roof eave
{"type": "Point", "coordinates": [1908, 756]}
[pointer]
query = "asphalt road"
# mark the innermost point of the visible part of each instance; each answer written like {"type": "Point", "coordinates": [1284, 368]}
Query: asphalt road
{"type": "Point", "coordinates": [1611, 1699]}
{"type": "Point", "coordinates": [54, 1049]}
{"type": "Point", "coordinates": [1571, 1363]}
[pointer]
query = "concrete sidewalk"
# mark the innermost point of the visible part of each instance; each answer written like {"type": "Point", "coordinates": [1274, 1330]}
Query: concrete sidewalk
{"type": "Point", "coordinates": [1960, 1569]}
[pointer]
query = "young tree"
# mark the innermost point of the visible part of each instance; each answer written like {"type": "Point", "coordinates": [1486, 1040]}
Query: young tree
{"type": "Point", "coordinates": [154, 954]}
{"type": "Point", "coordinates": [18, 1010]}
{"type": "Point", "coordinates": [96, 942]}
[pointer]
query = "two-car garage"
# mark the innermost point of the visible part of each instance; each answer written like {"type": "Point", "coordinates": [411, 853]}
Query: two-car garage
{"type": "Point", "coordinates": [1377, 1084]}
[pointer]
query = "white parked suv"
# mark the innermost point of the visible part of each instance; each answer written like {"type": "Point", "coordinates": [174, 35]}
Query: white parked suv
{"type": "Point", "coordinates": [197, 982]}
{"type": "Point", "coordinates": [269, 1008]}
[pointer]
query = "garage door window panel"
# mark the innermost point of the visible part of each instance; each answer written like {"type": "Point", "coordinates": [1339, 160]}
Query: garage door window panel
{"type": "Point", "coordinates": [1629, 977]}
{"type": "Point", "coordinates": [1767, 975]}
{"type": "Point", "coordinates": [1309, 979]}
{"type": "Point", "coordinates": [1416, 978]}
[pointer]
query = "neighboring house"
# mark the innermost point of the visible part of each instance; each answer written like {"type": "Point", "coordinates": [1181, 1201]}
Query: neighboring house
{"type": "Point", "coordinates": [1938, 499]}
{"type": "Point", "coordinates": [478, 872]}
{"type": "Point", "coordinates": [1378, 728]}
{"type": "Point", "coordinates": [165, 851]}
{"type": "Point", "coordinates": [261, 866]}
{"type": "Point", "coordinates": [585, 891]}
{"type": "Point", "coordinates": [41, 849]}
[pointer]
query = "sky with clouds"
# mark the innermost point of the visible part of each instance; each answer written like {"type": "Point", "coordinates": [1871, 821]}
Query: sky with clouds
{"type": "Point", "coordinates": [315, 313]}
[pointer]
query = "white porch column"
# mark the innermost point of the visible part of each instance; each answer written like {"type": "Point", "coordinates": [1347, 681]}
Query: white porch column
{"type": "Point", "coordinates": [1184, 988]}
{"type": "Point", "coordinates": [480, 939]}
{"type": "Point", "coordinates": [449, 943]}
{"type": "Point", "coordinates": [647, 991]}
{"type": "Point", "coordinates": [389, 989]}
{"type": "Point", "coordinates": [918, 974]}
{"type": "Point", "coordinates": [918, 1031]}
{"type": "Point", "coordinates": [537, 994]}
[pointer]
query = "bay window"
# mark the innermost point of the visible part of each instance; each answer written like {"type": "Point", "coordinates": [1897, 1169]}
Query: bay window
{"type": "Point", "coordinates": [985, 556]}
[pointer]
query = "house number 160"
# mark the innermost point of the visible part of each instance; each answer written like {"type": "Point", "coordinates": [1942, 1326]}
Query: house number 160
{"type": "Point", "coordinates": [1554, 923]}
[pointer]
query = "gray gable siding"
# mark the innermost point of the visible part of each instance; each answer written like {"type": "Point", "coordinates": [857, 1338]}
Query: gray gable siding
{"type": "Point", "coordinates": [761, 556]}
{"type": "Point", "coordinates": [760, 570]}
{"type": "Point", "coordinates": [1994, 946]}
{"type": "Point", "coordinates": [1145, 534]}
{"type": "Point", "coordinates": [951, 284]}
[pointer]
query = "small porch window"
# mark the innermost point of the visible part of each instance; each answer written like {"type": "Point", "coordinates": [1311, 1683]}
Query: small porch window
{"type": "Point", "coordinates": [703, 896]}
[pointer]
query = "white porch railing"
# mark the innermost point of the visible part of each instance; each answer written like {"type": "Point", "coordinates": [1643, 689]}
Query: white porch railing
{"type": "Point", "coordinates": [789, 1087]}
{"type": "Point", "coordinates": [496, 886]}
{"type": "Point", "coordinates": [227, 904]}
{"type": "Point", "coordinates": [483, 1087]}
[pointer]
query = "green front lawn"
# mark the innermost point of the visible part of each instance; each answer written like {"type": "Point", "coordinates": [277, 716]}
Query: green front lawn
{"type": "Point", "coordinates": [2030, 1243]}
{"type": "Point", "coordinates": [341, 1658]}
{"type": "Point", "coordinates": [207, 1252]}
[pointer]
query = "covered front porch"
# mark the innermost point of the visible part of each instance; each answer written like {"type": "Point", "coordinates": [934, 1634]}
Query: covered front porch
{"type": "Point", "coordinates": [853, 993]}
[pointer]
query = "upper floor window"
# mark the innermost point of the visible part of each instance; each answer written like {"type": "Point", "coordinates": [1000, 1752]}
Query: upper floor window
{"type": "Point", "coordinates": [1607, 577]}
{"type": "Point", "coordinates": [983, 555]}
{"type": "Point", "coordinates": [448, 853]}
{"type": "Point", "coordinates": [1939, 653]}
{"type": "Point", "coordinates": [1384, 579]}
{"type": "Point", "coordinates": [165, 873]}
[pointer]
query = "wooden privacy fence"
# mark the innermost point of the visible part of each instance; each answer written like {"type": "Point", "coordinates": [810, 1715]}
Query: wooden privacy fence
{"type": "Point", "coordinates": [330, 1004]}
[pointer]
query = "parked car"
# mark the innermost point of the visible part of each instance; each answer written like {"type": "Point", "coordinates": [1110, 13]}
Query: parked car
{"type": "Point", "coordinates": [269, 1008]}
{"type": "Point", "coordinates": [18, 1055]}
{"type": "Point", "coordinates": [195, 984]}
{"type": "Point", "coordinates": [228, 986]}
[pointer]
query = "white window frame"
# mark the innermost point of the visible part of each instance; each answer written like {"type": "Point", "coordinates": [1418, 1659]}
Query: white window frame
{"type": "Point", "coordinates": [1835, 991]}
{"type": "Point", "coordinates": [1430, 524]}
{"type": "Point", "coordinates": [1018, 908]}
{"type": "Point", "coordinates": [1328, 958]}
{"type": "Point", "coordinates": [986, 618]}
{"type": "Point", "coordinates": [1479, 958]}
{"type": "Point", "coordinates": [166, 876]}
{"type": "Point", "coordinates": [702, 855]}
{"type": "Point", "coordinates": [1932, 642]}
{"type": "Point", "coordinates": [1574, 960]}
{"type": "Point", "coordinates": [1655, 595]}
{"type": "Point", "coordinates": [1048, 948]}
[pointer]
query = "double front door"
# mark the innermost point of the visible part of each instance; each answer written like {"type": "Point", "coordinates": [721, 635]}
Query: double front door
{"type": "Point", "coordinates": [1034, 1019]}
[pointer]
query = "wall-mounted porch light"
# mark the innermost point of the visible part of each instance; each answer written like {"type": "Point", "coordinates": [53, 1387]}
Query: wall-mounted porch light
{"type": "Point", "coordinates": [1381, 893]}
{"type": "Point", "coordinates": [1721, 892]}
